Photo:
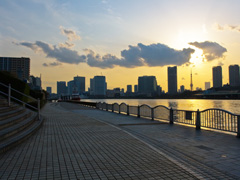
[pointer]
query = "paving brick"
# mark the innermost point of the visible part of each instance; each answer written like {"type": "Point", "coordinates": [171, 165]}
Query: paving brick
{"type": "Point", "coordinates": [78, 146]}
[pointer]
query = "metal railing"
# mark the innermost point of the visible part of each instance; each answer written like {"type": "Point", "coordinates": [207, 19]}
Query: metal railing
{"type": "Point", "coordinates": [209, 118]}
{"type": "Point", "coordinates": [9, 95]}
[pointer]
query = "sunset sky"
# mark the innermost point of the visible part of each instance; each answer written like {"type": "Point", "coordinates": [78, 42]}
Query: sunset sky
{"type": "Point", "coordinates": [122, 39]}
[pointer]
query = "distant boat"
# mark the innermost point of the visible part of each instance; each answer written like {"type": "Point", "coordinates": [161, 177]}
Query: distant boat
{"type": "Point", "coordinates": [75, 95]}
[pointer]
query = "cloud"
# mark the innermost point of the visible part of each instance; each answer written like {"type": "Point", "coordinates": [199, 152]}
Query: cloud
{"type": "Point", "coordinates": [141, 55]}
{"type": "Point", "coordinates": [134, 56]}
{"type": "Point", "coordinates": [211, 50]}
{"type": "Point", "coordinates": [61, 54]}
{"type": "Point", "coordinates": [54, 64]}
{"type": "Point", "coordinates": [220, 63]}
{"type": "Point", "coordinates": [227, 27]}
{"type": "Point", "coordinates": [66, 45]}
{"type": "Point", "coordinates": [71, 35]}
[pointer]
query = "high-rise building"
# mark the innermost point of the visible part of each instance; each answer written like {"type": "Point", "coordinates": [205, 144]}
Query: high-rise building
{"type": "Point", "coordinates": [207, 85]}
{"type": "Point", "coordinates": [147, 85]}
{"type": "Point", "coordinates": [35, 83]}
{"type": "Point", "coordinates": [98, 85]}
{"type": "Point", "coordinates": [136, 88]}
{"type": "Point", "coordinates": [49, 90]}
{"type": "Point", "coordinates": [234, 79]}
{"type": "Point", "coordinates": [172, 80]}
{"type": "Point", "coordinates": [182, 88]}
{"type": "Point", "coordinates": [61, 88]}
{"type": "Point", "coordinates": [129, 88]}
{"type": "Point", "coordinates": [159, 90]}
{"type": "Point", "coordinates": [20, 67]}
{"type": "Point", "coordinates": [217, 76]}
{"type": "Point", "coordinates": [70, 87]}
{"type": "Point", "coordinates": [80, 83]}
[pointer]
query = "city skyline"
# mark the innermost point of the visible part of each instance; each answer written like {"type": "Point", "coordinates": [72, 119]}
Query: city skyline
{"type": "Point", "coordinates": [64, 39]}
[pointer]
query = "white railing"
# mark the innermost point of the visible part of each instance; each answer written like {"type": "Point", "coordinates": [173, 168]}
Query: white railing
{"type": "Point", "coordinates": [9, 95]}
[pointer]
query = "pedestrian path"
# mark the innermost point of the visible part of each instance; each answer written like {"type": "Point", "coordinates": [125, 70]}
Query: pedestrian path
{"type": "Point", "coordinates": [76, 142]}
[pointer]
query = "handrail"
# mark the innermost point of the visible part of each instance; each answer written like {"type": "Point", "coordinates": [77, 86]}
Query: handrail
{"type": "Point", "coordinates": [224, 120]}
{"type": "Point", "coordinates": [19, 101]}
{"type": "Point", "coordinates": [26, 104]}
{"type": "Point", "coordinates": [18, 92]}
{"type": "Point", "coordinates": [161, 106]}
{"type": "Point", "coordinates": [220, 110]}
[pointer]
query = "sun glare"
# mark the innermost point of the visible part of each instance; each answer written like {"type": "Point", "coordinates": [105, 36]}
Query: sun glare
{"type": "Point", "coordinates": [197, 57]}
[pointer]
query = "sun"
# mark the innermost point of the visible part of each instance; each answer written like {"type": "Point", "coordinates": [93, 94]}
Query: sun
{"type": "Point", "coordinates": [197, 57]}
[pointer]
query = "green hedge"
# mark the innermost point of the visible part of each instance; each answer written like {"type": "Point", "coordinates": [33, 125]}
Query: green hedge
{"type": "Point", "coordinates": [7, 78]}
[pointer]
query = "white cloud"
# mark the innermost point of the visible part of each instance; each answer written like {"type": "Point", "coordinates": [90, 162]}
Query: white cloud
{"type": "Point", "coordinates": [211, 50]}
{"type": "Point", "coordinates": [70, 34]}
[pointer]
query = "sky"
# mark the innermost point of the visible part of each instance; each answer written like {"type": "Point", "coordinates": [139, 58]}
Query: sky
{"type": "Point", "coordinates": [122, 40]}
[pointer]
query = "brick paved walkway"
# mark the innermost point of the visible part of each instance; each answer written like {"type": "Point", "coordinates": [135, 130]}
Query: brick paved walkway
{"type": "Point", "coordinates": [76, 146]}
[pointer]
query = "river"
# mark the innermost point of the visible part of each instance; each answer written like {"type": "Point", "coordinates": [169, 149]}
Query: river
{"type": "Point", "coordinates": [182, 104]}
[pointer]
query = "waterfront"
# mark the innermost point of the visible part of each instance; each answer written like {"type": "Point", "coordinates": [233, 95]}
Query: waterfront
{"type": "Point", "coordinates": [181, 104]}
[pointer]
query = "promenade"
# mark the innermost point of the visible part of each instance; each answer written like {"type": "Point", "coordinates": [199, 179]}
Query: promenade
{"type": "Point", "coordinates": [77, 142]}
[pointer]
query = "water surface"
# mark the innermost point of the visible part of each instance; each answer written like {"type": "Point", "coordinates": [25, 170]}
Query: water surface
{"type": "Point", "coordinates": [183, 104]}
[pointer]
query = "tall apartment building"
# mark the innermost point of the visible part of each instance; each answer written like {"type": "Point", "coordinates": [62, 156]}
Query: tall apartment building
{"type": "Point", "coordinates": [35, 83]}
{"type": "Point", "coordinates": [79, 83]}
{"type": "Point", "coordinates": [98, 86]}
{"type": "Point", "coordinates": [129, 88]}
{"type": "Point", "coordinates": [147, 85]}
{"type": "Point", "coordinates": [207, 85]}
{"type": "Point", "coordinates": [70, 87]}
{"type": "Point", "coordinates": [217, 76]}
{"type": "Point", "coordinates": [234, 79]}
{"type": "Point", "coordinates": [182, 88]}
{"type": "Point", "coordinates": [49, 90]}
{"type": "Point", "coordinates": [61, 88]}
{"type": "Point", "coordinates": [135, 88]}
{"type": "Point", "coordinates": [172, 80]}
{"type": "Point", "coordinates": [18, 66]}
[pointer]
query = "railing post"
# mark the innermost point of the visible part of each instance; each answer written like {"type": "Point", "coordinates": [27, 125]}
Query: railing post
{"type": "Point", "coordinates": [106, 107]}
{"type": "Point", "coordinates": [9, 95]}
{"type": "Point", "coordinates": [119, 109]}
{"type": "Point", "coordinates": [138, 115]}
{"type": "Point", "coordinates": [152, 113]}
{"type": "Point", "coordinates": [198, 120]}
{"type": "Point", "coordinates": [171, 116]}
{"type": "Point", "coordinates": [128, 110]}
{"type": "Point", "coordinates": [112, 107]}
{"type": "Point", "coordinates": [38, 101]}
{"type": "Point", "coordinates": [238, 126]}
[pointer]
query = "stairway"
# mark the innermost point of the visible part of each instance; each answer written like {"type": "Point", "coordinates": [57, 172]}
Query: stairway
{"type": "Point", "coordinates": [16, 124]}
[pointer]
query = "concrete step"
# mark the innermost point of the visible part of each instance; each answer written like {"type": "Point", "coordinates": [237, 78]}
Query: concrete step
{"type": "Point", "coordinates": [17, 128]}
{"type": "Point", "coordinates": [11, 113]}
{"type": "Point", "coordinates": [13, 141]}
{"type": "Point", "coordinates": [7, 108]}
{"type": "Point", "coordinates": [15, 119]}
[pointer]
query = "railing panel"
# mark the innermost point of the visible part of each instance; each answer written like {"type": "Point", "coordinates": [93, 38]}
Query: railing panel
{"type": "Point", "coordinates": [133, 110]}
{"type": "Point", "coordinates": [110, 107]}
{"type": "Point", "coordinates": [219, 119]}
{"type": "Point", "coordinates": [116, 107]}
{"type": "Point", "coordinates": [185, 117]}
{"type": "Point", "coordinates": [161, 112]}
{"type": "Point", "coordinates": [123, 108]}
{"type": "Point", "coordinates": [145, 111]}
{"type": "Point", "coordinates": [210, 118]}
{"type": "Point", "coordinates": [104, 106]}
